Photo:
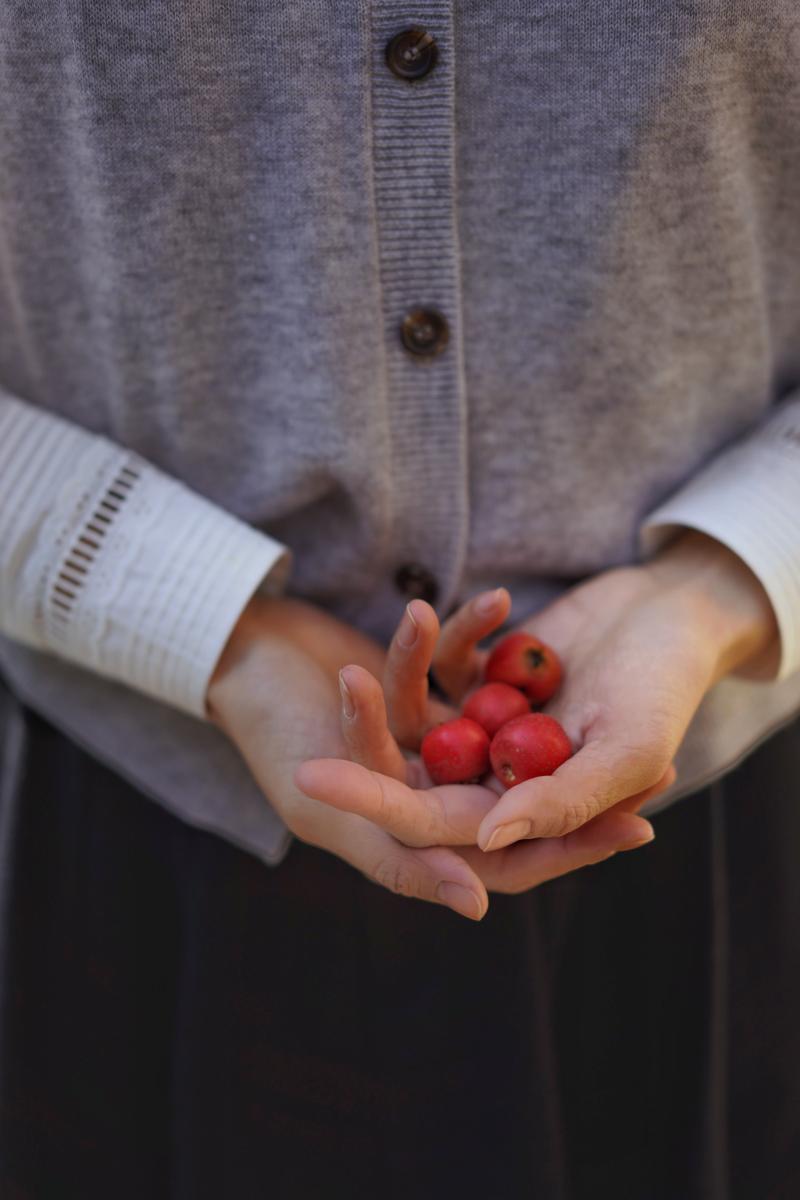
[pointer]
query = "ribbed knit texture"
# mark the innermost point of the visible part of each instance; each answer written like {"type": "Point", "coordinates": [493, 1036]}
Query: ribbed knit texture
{"type": "Point", "coordinates": [413, 139]}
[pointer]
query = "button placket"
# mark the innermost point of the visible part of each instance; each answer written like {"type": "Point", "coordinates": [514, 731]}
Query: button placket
{"type": "Point", "coordinates": [411, 54]}
{"type": "Point", "coordinates": [414, 174]}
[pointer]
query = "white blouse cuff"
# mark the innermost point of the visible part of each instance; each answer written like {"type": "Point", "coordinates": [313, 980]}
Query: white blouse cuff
{"type": "Point", "coordinates": [117, 566]}
{"type": "Point", "coordinates": [748, 497]}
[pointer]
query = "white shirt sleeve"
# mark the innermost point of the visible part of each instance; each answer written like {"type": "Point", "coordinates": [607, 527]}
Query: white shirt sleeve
{"type": "Point", "coordinates": [748, 497]}
{"type": "Point", "coordinates": [109, 562]}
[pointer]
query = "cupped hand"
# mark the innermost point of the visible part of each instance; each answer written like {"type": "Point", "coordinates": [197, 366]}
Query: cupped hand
{"type": "Point", "coordinates": [641, 646]}
{"type": "Point", "coordinates": [275, 693]}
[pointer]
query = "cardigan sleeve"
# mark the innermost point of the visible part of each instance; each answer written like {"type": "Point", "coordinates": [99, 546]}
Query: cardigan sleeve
{"type": "Point", "coordinates": [111, 563]}
{"type": "Point", "coordinates": [748, 497]}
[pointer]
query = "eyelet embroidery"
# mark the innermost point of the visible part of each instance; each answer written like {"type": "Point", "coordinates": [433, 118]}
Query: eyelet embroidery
{"type": "Point", "coordinates": [84, 550]}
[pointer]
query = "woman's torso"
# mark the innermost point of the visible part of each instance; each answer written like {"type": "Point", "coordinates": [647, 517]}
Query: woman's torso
{"type": "Point", "coordinates": [215, 219]}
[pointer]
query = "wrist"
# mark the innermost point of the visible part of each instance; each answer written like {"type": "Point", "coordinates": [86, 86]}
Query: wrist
{"type": "Point", "coordinates": [725, 598]}
{"type": "Point", "coordinates": [247, 633]}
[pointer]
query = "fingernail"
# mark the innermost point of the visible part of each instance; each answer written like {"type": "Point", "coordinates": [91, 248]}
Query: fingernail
{"type": "Point", "coordinates": [407, 633]}
{"type": "Point", "coordinates": [461, 899]}
{"type": "Point", "coordinates": [487, 603]}
{"type": "Point", "coordinates": [641, 841]}
{"type": "Point", "coordinates": [348, 707]}
{"type": "Point", "coordinates": [504, 835]}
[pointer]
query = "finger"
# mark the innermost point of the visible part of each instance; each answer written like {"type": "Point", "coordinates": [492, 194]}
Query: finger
{"type": "Point", "coordinates": [405, 674]}
{"type": "Point", "coordinates": [527, 864]}
{"type": "Point", "coordinates": [365, 726]}
{"type": "Point", "coordinates": [457, 663]}
{"type": "Point", "coordinates": [436, 874]}
{"type": "Point", "coordinates": [448, 815]}
{"type": "Point", "coordinates": [604, 772]}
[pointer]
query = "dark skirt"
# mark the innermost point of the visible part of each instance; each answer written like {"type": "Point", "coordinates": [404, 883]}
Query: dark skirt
{"type": "Point", "coordinates": [181, 1021]}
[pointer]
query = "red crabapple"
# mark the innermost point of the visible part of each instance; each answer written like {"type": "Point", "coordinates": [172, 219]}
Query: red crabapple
{"type": "Point", "coordinates": [525, 662]}
{"type": "Point", "coordinates": [494, 704]}
{"type": "Point", "coordinates": [456, 751]}
{"type": "Point", "coordinates": [528, 746]}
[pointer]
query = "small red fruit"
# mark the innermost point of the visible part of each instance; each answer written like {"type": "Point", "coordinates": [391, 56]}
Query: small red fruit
{"type": "Point", "coordinates": [523, 661]}
{"type": "Point", "coordinates": [494, 704]}
{"type": "Point", "coordinates": [528, 746]}
{"type": "Point", "coordinates": [456, 751]}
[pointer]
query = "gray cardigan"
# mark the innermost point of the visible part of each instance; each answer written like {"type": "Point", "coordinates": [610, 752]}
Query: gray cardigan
{"type": "Point", "coordinates": [218, 224]}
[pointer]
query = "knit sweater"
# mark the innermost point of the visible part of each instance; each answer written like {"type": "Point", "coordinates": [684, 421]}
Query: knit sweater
{"type": "Point", "coordinates": [329, 298]}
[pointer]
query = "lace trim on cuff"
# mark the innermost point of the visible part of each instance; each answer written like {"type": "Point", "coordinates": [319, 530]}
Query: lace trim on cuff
{"type": "Point", "coordinates": [73, 570]}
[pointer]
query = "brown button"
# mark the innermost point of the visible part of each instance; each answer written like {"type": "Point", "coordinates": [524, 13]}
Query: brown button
{"type": "Point", "coordinates": [411, 54]}
{"type": "Point", "coordinates": [416, 582]}
{"type": "Point", "coordinates": [424, 331]}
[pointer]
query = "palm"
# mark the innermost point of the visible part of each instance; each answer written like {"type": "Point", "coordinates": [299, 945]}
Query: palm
{"type": "Point", "coordinates": [629, 659]}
